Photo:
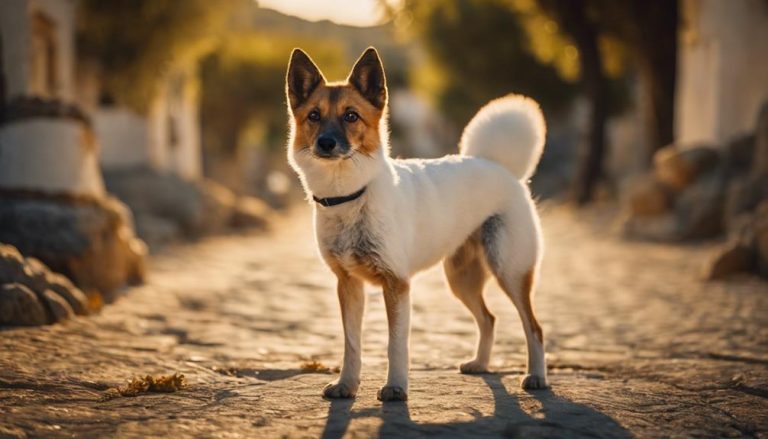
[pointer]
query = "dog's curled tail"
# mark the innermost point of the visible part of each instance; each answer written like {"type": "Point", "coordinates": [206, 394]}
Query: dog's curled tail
{"type": "Point", "coordinates": [509, 131]}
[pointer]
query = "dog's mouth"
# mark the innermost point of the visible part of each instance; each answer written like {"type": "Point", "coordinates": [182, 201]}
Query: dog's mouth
{"type": "Point", "coordinates": [333, 156]}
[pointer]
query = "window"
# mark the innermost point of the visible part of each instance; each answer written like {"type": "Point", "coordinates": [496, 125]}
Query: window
{"type": "Point", "coordinates": [44, 58]}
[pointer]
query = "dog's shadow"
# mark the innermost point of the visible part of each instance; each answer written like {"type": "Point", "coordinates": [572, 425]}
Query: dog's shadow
{"type": "Point", "coordinates": [561, 418]}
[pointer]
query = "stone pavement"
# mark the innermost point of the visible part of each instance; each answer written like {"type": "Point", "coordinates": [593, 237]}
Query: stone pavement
{"type": "Point", "coordinates": [638, 345]}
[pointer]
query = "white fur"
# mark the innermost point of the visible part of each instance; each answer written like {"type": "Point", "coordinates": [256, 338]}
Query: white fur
{"type": "Point", "coordinates": [421, 211]}
{"type": "Point", "coordinates": [509, 131]}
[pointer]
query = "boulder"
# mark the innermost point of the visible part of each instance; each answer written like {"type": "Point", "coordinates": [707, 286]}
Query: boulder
{"type": "Point", "coordinates": [59, 298]}
{"type": "Point", "coordinates": [89, 240]}
{"type": "Point", "coordinates": [168, 208]}
{"type": "Point", "coordinates": [648, 197]}
{"type": "Point", "coordinates": [678, 168]}
{"type": "Point", "coordinates": [58, 308]}
{"type": "Point", "coordinates": [734, 259]}
{"type": "Point", "coordinates": [740, 154]}
{"type": "Point", "coordinates": [250, 213]}
{"type": "Point", "coordinates": [156, 231]}
{"type": "Point", "coordinates": [162, 195]}
{"type": "Point", "coordinates": [62, 286]}
{"type": "Point", "coordinates": [743, 195]}
{"type": "Point", "coordinates": [699, 209]}
{"type": "Point", "coordinates": [760, 159]}
{"type": "Point", "coordinates": [761, 237]}
{"type": "Point", "coordinates": [20, 306]}
{"type": "Point", "coordinates": [217, 203]}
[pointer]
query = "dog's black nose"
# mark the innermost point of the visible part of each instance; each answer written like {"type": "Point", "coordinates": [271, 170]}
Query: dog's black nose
{"type": "Point", "coordinates": [326, 144]}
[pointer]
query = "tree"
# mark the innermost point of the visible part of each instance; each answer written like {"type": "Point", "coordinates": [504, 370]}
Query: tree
{"type": "Point", "coordinates": [136, 42]}
{"type": "Point", "coordinates": [647, 31]}
{"type": "Point", "coordinates": [476, 51]}
{"type": "Point", "coordinates": [573, 17]}
{"type": "Point", "coordinates": [243, 86]}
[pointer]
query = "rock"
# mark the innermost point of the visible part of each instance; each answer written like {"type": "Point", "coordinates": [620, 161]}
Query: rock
{"type": "Point", "coordinates": [167, 207]}
{"type": "Point", "coordinates": [678, 168]}
{"type": "Point", "coordinates": [740, 229]}
{"type": "Point", "coordinates": [648, 197]}
{"type": "Point", "coordinates": [734, 259]}
{"type": "Point", "coordinates": [251, 213]}
{"type": "Point", "coordinates": [740, 154]}
{"type": "Point", "coordinates": [58, 308]}
{"type": "Point", "coordinates": [743, 195]}
{"type": "Point", "coordinates": [89, 240]}
{"type": "Point", "coordinates": [760, 159]}
{"type": "Point", "coordinates": [218, 204]}
{"type": "Point", "coordinates": [33, 274]}
{"type": "Point", "coordinates": [76, 299]}
{"type": "Point", "coordinates": [156, 231]}
{"type": "Point", "coordinates": [19, 306]}
{"type": "Point", "coordinates": [761, 237]}
{"type": "Point", "coordinates": [161, 195]}
{"type": "Point", "coordinates": [699, 209]}
{"type": "Point", "coordinates": [12, 264]}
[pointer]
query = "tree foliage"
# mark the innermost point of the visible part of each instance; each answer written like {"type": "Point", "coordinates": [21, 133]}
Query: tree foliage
{"type": "Point", "coordinates": [477, 51]}
{"type": "Point", "coordinates": [137, 42]}
{"type": "Point", "coordinates": [243, 86]}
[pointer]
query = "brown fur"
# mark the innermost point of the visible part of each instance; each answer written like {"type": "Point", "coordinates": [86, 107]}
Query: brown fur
{"type": "Point", "coordinates": [333, 101]}
{"type": "Point", "coordinates": [528, 307]}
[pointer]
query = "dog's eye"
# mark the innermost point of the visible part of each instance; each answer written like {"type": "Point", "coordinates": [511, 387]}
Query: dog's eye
{"type": "Point", "coordinates": [314, 115]}
{"type": "Point", "coordinates": [350, 116]}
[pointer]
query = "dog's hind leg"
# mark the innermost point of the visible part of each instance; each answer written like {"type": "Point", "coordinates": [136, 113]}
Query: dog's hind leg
{"type": "Point", "coordinates": [512, 254]}
{"type": "Point", "coordinates": [466, 275]}
{"type": "Point", "coordinates": [352, 301]}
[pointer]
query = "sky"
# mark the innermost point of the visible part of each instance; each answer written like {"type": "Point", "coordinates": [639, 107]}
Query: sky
{"type": "Point", "coordinates": [352, 12]}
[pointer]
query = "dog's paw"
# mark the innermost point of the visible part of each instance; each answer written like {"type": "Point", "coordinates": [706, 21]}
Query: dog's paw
{"type": "Point", "coordinates": [533, 382]}
{"type": "Point", "coordinates": [392, 393]}
{"type": "Point", "coordinates": [338, 390]}
{"type": "Point", "coordinates": [473, 367]}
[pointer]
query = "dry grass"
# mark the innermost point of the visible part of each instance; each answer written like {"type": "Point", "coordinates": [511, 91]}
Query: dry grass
{"type": "Point", "coordinates": [147, 384]}
{"type": "Point", "coordinates": [314, 366]}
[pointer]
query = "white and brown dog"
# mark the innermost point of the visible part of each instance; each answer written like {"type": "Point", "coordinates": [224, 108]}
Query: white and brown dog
{"type": "Point", "coordinates": [381, 220]}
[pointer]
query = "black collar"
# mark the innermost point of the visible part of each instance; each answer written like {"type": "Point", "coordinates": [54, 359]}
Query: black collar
{"type": "Point", "coordinates": [335, 201]}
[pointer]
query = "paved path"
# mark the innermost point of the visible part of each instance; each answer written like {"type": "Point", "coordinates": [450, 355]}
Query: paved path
{"type": "Point", "coordinates": [638, 346]}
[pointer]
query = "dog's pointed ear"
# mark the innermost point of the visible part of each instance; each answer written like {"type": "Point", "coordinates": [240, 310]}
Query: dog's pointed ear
{"type": "Point", "coordinates": [302, 78]}
{"type": "Point", "coordinates": [368, 78]}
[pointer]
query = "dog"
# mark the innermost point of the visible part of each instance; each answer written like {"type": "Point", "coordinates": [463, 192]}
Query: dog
{"type": "Point", "coordinates": [381, 220]}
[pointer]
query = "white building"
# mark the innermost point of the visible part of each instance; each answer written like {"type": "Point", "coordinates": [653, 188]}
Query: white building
{"type": "Point", "coordinates": [46, 142]}
{"type": "Point", "coordinates": [167, 138]}
{"type": "Point", "coordinates": [723, 68]}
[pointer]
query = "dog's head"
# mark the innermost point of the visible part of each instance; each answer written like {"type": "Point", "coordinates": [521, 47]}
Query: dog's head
{"type": "Point", "coordinates": [336, 127]}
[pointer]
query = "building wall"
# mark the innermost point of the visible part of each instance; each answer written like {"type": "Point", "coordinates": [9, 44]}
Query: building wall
{"type": "Point", "coordinates": [166, 139]}
{"type": "Point", "coordinates": [122, 137]}
{"type": "Point", "coordinates": [51, 155]}
{"type": "Point", "coordinates": [16, 31]}
{"type": "Point", "coordinates": [723, 66]}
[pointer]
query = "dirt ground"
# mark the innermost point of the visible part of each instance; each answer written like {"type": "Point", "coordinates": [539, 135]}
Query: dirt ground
{"type": "Point", "coordinates": [638, 345]}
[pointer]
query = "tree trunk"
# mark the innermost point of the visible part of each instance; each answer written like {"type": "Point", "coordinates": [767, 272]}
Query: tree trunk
{"type": "Point", "coordinates": [2, 82]}
{"type": "Point", "coordinates": [655, 44]}
{"type": "Point", "coordinates": [572, 16]}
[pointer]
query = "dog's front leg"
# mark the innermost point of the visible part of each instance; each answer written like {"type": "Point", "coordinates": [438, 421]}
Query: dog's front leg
{"type": "Point", "coordinates": [398, 303]}
{"type": "Point", "coordinates": [352, 301]}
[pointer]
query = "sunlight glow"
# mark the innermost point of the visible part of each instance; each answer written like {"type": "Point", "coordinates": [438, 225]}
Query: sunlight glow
{"type": "Point", "coordinates": [351, 12]}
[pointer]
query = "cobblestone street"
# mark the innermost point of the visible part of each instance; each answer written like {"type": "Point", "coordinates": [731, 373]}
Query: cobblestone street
{"type": "Point", "coordinates": [638, 345]}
